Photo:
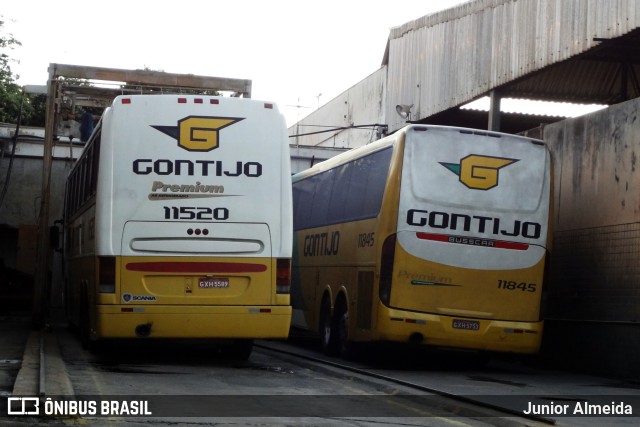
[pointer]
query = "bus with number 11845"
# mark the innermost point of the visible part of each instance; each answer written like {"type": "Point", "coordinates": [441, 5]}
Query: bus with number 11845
{"type": "Point", "coordinates": [435, 236]}
{"type": "Point", "coordinates": [178, 222]}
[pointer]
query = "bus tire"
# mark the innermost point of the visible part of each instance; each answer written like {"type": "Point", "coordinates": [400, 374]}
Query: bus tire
{"type": "Point", "coordinates": [328, 330]}
{"type": "Point", "coordinates": [84, 327]}
{"type": "Point", "coordinates": [239, 349]}
{"type": "Point", "coordinates": [346, 349]}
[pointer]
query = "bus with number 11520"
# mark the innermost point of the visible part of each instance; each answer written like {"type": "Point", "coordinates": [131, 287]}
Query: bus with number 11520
{"type": "Point", "coordinates": [436, 236]}
{"type": "Point", "coordinates": [178, 222]}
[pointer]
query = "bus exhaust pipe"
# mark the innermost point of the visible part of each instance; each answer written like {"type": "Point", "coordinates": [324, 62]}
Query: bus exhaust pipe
{"type": "Point", "coordinates": [144, 330]}
{"type": "Point", "coordinates": [416, 338]}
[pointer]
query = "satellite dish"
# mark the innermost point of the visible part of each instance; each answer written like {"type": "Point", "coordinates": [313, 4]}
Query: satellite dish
{"type": "Point", "coordinates": [404, 111]}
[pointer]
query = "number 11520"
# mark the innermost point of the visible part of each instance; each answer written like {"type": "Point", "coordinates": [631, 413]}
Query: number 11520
{"type": "Point", "coordinates": [196, 213]}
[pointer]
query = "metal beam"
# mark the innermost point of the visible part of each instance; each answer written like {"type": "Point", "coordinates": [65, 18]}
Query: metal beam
{"type": "Point", "coordinates": [155, 78]}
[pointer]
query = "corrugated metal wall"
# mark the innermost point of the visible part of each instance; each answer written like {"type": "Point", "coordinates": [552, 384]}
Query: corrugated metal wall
{"type": "Point", "coordinates": [443, 60]}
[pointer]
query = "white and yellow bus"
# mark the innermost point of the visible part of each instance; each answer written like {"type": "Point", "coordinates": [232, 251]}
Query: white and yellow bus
{"type": "Point", "coordinates": [436, 236]}
{"type": "Point", "coordinates": [178, 222]}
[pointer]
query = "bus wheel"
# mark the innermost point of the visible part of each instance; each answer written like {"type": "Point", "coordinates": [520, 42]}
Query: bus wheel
{"type": "Point", "coordinates": [93, 347]}
{"type": "Point", "coordinates": [346, 348]}
{"type": "Point", "coordinates": [83, 328]}
{"type": "Point", "coordinates": [239, 349]}
{"type": "Point", "coordinates": [328, 332]}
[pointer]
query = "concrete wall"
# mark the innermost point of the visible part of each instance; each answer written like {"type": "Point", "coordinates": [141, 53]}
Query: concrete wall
{"type": "Point", "coordinates": [362, 104]}
{"type": "Point", "coordinates": [21, 206]}
{"type": "Point", "coordinates": [303, 157]}
{"type": "Point", "coordinates": [594, 292]}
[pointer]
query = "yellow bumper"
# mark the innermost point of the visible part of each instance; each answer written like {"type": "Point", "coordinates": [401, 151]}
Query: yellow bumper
{"type": "Point", "coordinates": [454, 332]}
{"type": "Point", "coordinates": [123, 321]}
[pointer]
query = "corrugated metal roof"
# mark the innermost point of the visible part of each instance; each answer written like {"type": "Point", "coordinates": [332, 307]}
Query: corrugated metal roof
{"type": "Point", "coordinates": [569, 50]}
{"type": "Point", "coordinates": [548, 109]}
{"type": "Point", "coordinates": [606, 74]}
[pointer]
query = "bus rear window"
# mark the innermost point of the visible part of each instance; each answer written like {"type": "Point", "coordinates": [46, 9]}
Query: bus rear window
{"type": "Point", "coordinates": [475, 175]}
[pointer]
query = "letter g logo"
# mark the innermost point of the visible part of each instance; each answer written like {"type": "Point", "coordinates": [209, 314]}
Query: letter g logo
{"type": "Point", "coordinates": [201, 133]}
{"type": "Point", "coordinates": [198, 133]}
{"type": "Point", "coordinates": [479, 172]}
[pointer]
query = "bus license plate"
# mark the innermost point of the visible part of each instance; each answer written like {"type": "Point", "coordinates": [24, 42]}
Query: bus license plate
{"type": "Point", "coordinates": [470, 325]}
{"type": "Point", "coordinates": [213, 282]}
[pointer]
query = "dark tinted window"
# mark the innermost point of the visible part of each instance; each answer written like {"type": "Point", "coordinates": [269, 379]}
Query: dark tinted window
{"type": "Point", "coordinates": [303, 198]}
{"type": "Point", "coordinates": [323, 184]}
{"type": "Point", "coordinates": [82, 182]}
{"type": "Point", "coordinates": [348, 192]}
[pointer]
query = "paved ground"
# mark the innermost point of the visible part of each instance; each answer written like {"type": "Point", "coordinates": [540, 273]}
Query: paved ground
{"type": "Point", "coordinates": [15, 329]}
{"type": "Point", "coordinates": [20, 346]}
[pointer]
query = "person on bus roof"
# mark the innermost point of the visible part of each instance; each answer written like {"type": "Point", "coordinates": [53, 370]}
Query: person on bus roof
{"type": "Point", "coordinates": [86, 125]}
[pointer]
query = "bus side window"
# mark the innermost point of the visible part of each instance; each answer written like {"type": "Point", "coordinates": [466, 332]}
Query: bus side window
{"type": "Point", "coordinates": [339, 196]}
{"type": "Point", "coordinates": [323, 184]}
{"type": "Point", "coordinates": [303, 196]}
{"type": "Point", "coordinates": [366, 186]}
{"type": "Point", "coordinates": [378, 169]}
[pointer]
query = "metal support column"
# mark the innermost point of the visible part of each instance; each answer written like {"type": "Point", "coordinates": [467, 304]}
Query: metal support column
{"type": "Point", "coordinates": [494, 111]}
{"type": "Point", "coordinates": [41, 294]}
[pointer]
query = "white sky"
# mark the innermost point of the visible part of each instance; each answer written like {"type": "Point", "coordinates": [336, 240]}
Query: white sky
{"type": "Point", "coordinates": [291, 50]}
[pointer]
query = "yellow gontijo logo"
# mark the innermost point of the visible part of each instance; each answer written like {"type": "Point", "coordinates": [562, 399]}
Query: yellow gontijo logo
{"type": "Point", "coordinates": [479, 172]}
{"type": "Point", "coordinates": [198, 133]}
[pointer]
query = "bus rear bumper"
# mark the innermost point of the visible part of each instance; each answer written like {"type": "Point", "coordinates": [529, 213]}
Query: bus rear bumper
{"type": "Point", "coordinates": [200, 322]}
{"type": "Point", "coordinates": [461, 333]}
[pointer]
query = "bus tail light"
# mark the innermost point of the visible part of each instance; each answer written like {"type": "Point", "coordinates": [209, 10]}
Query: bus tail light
{"type": "Point", "coordinates": [283, 275]}
{"type": "Point", "coordinates": [386, 268]}
{"type": "Point", "coordinates": [107, 275]}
